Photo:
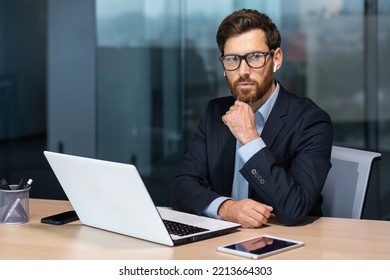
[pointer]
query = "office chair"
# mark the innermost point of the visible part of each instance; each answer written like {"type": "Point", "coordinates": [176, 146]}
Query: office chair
{"type": "Point", "coordinates": [345, 188]}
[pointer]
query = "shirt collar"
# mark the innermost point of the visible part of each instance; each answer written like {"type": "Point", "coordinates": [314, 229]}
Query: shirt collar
{"type": "Point", "coordinates": [266, 109]}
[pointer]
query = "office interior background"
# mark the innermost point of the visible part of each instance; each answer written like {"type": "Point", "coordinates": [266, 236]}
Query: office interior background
{"type": "Point", "coordinates": [128, 81]}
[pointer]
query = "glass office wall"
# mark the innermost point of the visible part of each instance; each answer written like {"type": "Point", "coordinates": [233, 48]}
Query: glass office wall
{"type": "Point", "coordinates": [383, 98]}
{"type": "Point", "coordinates": [383, 82]}
{"type": "Point", "coordinates": [23, 91]}
{"type": "Point", "coordinates": [139, 78]}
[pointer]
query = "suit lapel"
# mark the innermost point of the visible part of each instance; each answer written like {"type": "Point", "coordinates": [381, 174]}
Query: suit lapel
{"type": "Point", "coordinates": [275, 121]}
{"type": "Point", "coordinates": [273, 126]}
{"type": "Point", "coordinates": [228, 146]}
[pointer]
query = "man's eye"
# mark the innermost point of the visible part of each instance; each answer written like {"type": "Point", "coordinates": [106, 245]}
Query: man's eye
{"type": "Point", "coordinates": [255, 56]}
{"type": "Point", "coordinates": [231, 58]}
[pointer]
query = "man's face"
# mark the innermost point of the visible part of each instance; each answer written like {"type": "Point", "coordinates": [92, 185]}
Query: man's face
{"type": "Point", "coordinates": [248, 84]}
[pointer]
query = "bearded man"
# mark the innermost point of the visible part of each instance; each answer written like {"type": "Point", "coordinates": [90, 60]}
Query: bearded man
{"type": "Point", "coordinates": [262, 150]}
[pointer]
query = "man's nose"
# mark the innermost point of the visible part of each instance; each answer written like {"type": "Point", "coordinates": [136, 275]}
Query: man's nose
{"type": "Point", "coordinates": [244, 69]}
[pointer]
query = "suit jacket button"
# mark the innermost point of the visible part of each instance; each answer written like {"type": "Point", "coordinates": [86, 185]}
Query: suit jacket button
{"type": "Point", "coordinates": [262, 181]}
{"type": "Point", "coordinates": [253, 171]}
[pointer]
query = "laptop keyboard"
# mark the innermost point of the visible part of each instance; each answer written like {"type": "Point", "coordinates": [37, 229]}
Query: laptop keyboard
{"type": "Point", "coordinates": [181, 229]}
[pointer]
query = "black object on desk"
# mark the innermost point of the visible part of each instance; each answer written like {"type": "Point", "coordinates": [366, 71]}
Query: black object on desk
{"type": "Point", "coordinates": [60, 218]}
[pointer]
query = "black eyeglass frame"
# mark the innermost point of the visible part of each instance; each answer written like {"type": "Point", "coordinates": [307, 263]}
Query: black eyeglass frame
{"type": "Point", "coordinates": [241, 57]}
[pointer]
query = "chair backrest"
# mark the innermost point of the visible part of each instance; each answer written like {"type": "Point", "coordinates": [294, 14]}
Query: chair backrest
{"type": "Point", "coordinates": [345, 188]}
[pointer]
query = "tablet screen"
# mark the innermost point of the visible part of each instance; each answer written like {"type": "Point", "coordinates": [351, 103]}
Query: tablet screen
{"type": "Point", "coordinates": [261, 245]}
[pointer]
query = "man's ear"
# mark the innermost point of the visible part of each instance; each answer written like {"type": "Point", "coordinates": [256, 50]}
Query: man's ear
{"type": "Point", "coordinates": [278, 59]}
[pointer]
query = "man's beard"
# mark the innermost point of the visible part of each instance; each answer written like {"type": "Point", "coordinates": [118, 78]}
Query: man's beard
{"type": "Point", "coordinates": [250, 96]}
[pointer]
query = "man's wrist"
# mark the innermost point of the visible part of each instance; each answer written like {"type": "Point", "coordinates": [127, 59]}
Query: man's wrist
{"type": "Point", "coordinates": [212, 209]}
{"type": "Point", "coordinates": [250, 139]}
{"type": "Point", "coordinates": [223, 209]}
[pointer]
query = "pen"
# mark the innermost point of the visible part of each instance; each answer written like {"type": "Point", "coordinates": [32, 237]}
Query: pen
{"type": "Point", "coordinates": [4, 185]}
{"type": "Point", "coordinates": [20, 184]}
{"type": "Point", "coordinates": [28, 184]}
{"type": "Point", "coordinates": [12, 209]}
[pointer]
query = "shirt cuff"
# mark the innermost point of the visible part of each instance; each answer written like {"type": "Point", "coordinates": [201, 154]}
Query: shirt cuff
{"type": "Point", "coordinates": [212, 210]}
{"type": "Point", "coordinates": [250, 149]}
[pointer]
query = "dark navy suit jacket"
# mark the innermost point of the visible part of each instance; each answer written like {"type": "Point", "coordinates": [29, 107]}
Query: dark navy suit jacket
{"type": "Point", "coordinates": [288, 174]}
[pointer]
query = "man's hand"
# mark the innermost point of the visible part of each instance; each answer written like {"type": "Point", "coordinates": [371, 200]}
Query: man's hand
{"type": "Point", "coordinates": [241, 121]}
{"type": "Point", "coordinates": [248, 212]}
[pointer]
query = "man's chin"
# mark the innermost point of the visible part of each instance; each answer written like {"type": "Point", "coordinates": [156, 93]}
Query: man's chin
{"type": "Point", "coordinates": [246, 99]}
{"type": "Point", "coordinates": [243, 97]}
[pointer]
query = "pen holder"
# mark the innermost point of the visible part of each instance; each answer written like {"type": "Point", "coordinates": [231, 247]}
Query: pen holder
{"type": "Point", "coordinates": [14, 205]}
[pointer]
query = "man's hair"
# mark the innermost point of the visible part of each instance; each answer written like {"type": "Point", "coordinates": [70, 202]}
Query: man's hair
{"type": "Point", "coordinates": [245, 20]}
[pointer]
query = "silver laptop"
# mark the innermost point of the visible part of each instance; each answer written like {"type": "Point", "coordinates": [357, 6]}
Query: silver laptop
{"type": "Point", "coordinates": [112, 196]}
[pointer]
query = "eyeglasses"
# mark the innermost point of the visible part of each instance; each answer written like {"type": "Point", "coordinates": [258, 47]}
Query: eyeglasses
{"type": "Point", "coordinates": [254, 60]}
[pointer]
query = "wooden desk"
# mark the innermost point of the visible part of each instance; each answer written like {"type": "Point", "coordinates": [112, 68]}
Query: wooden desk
{"type": "Point", "coordinates": [325, 238]}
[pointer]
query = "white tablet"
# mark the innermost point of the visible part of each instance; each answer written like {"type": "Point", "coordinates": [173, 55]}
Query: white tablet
{"type": "Point", "coordinates": [260, 246]}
